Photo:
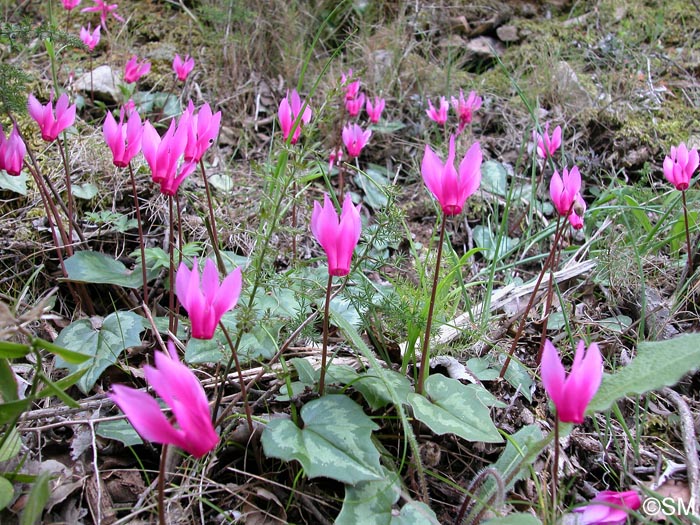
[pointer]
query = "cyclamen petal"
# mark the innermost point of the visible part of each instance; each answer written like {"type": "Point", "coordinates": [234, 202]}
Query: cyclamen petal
{"type": "Point", "coordinates": [680, 166]}
{"type": "Point", "coordinates": [449, 187]}
{"type": "Point", "coordinates": [206, 302]}
{"type": "Point", "coordinates": [337, 236]}
{"type": "Point", "coordinates": [572, 394]}
{"type": "Point", "coordinates": [182, 392]}
{"type": "Point", "coordinates": [609, 508]}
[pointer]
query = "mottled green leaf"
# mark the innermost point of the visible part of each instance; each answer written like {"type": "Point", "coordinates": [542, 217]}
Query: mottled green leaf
{"type": "Point", "coordinates": [658, 364]}
{"type": "Point", "coordinates": [485, 239]}
{"type": "Point", "coordinates": [15, 183]}
{"type": "Point", "coordinates": [84, 191]}
{"type": "Point", "coordinates": [6, 492]}
{"type": "Point", "coordinates": [456, 408]}
{"type": "Point", "coordinates": [119, 430]}
{"type": "Point", "coordinates": [104, 344]}
{"type": "Point", "coordinates": [12, 409]}
{"type": "Point", "coordinates": [69, 356]}
{"type": "Point", "coordinates": [493, 178]}
{"type": "Point", "coordinates": [415, 513]}
{"type": "Point", "coordinates": [96, 267]}
{"type": "Point", "coordinates": [8, 384]}
{"type": "Point", "coordinates": [336, 441]}
{"type": "Point", "coordinates": [373, 387]}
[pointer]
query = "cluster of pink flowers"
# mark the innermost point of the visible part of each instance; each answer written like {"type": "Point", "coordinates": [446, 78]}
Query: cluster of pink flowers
{"type": "Point", "coordinates": [172, 157]}
{"type": "Point", "coordinates": [463, 107]}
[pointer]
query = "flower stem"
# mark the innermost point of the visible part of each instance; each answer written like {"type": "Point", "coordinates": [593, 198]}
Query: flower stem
{"type": "Point", "coordinates": [161, 486]}
{"type": "Point", "coordinates": [424, 362]}
{"type": "Point", "coordinates": [141, 239]}
{"type": "Point", "coordinates": [171, 272]}
{"type": "Point", "coordinates": [212, 221]}
{"type": "Point", "coordinates": [530, 303]}
{"type": "Point", "coordinates": [69, 192]}
{"type": "Point", "coordinates": [326, 314]}
{"type": "Point", "coordinates": [555, 468]}
{"type": "Point", "coordinates": [687, 236]}
{"type": "Point", "coordinates": [244, 394]}
{"type": "Point", "coordinates": [550, 293]}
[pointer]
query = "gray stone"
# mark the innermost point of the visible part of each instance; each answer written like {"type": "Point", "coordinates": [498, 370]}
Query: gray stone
{"type": "Point", "coordinates": [483, 47]}
{"type": "Point", "coordinates": [105, 84]}
{"type": "Point", "coordinates": [508, 33]}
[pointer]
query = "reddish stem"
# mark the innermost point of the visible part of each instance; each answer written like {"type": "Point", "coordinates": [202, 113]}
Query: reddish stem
{"type": "Point", "coordinates": [326, 313]}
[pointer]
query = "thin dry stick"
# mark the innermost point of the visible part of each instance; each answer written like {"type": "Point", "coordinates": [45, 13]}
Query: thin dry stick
{"type": "Point", "coordinates": [689, 445]}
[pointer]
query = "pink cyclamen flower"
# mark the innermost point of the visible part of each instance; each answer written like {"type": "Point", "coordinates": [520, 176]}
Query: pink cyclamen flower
{"type": "Point", "coordinates": [546, 145]}
{"type": "Point", "coordinates": [449, 187]}
{"type": "Point", "coordinates": [175, 383]}
{"type": "Point", "coordinates": [680, 166]}
{"type": "Point", "coordinates": [337, 237]}
{"type": "Point", "coordinates": [609, 508]}
{"type": "Point", "coordinates": [135, 69]}
{"type": "Point", "coordinates": [336, 157]}
{"type": "Point", "coordinates": [438, 115]}
{"type": "Point", "coordinates": [576, 216]}
{"type": "Point", "coordinates": [69, 5]}
{"type": "Point", "coordinates": [355, 139]}
{"type": "Point", "coordinates": [104, 9]}
{"type": "Point", "coordinates": [288, 114]}
{"type": "Point", "coordinates": [374, 111]}
{"type": "Point", "coordinates": [181, 67]}
{"type": "Point", "coordinates": [12, 151]}
{"type": "Point", "coordinates": [208, 301]}
{"type": "Point", "coordinates": [564, 189]}
{"type": "Point", "coordinates": [202, 130]}
{"type": "Point", "coordinates": [123, 139]}
{"type": "Point", "coordinates": [165, 156]}
{"type": "Point", "coordinates": [465, 108]}
{"type": "Point", "coordinates": [572, 394]}
{"type": "Point", "coordinates": [354, 105]}
{"type": "Point", "coordinates": [90, 39]}
{"type": "Point", "coordinates": [49, 124]}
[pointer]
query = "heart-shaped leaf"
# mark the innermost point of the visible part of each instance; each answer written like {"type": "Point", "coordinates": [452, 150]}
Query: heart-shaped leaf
{"type": "Point", "coordinates": [336, 441]}
{"type": "Point", "coordinates": [95, 267]}
{"type": "Point", "coordinates": [104, 344]}
{"type": "Point", "coordinates": [457, 409]}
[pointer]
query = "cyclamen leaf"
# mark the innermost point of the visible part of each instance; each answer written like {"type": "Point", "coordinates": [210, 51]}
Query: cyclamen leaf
{"type": "Point", "coordinates": [336, 441]}
{"type": "Point", "coordinates": [6, 493]}
{"type": "Point", "coordinates": [98, 268]}
{"type": "Point", "coordinates": [658, 364]}
{"type": "Point", "coordinates": [456, 408]}
{"type": "Point", "coordinates": [104, 344]}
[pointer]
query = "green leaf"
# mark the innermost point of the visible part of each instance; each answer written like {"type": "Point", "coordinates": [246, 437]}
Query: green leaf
{"type": "Point", "coordinates": [84, 191]}
{"type": "Point", "coordinates": [38, 497]}
{"type": "Point", "coordinates": [415, 513]}
{"type": "Point", "coordinates": [62, 384]}
{"type": "Point", "coordinates": [95, 267]}
{"type": "Point", "coordinates": [13, 350]}
{"type": "Point", "coordinates": [493, 178]}
{"type": "Point", "coordinates": [307, 374]}
{"type": "Point", "coordinates": [388, 127]}
{"type": "Point", "coordinates": [373, 387]}
{"type": "Point", "coordinates": [119, 430]}
{"type": "Point", "coordinates": [14, 183]}
{"type": "Point", "coordinates": [104, 344]}
{"type": "Point", "coordinates": [658, 364]}
{"type": "Point", "coordinates": [11, 409]}
{"type": "Point", "coordinates": [336, 441]}
{"type": "Point", "coordinates": [372, 503]}
{"type": "Point", "coordinates": [12, 445]}
{"type": "Point", "coordinates": [7, 492]}
{"type": "Point", "coordinates": [485, 239]}
{"type": "Point", "coordinates": [52, 388]}
{"type": "Point", "coordinates": [69, 356]}
{"type": "Point", "coordinates": [8, 384]}
{"type": "Point", "coordinates": [519, 377]}
{"type": "Point", "coordinates": [518, 518]}
{"type": "Point", "coordinates": [457, 409]}
{"type": "Point", "coordinates": [222, 182]}
{"type": "Point", "coordinates": [373, 181]}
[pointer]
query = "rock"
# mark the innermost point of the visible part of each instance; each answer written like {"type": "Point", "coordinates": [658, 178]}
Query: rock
{"type": "Point", "coordinates": [104, 84]}
{"type": "Point", "coordinates": [507, 33]}
{"type": "Point", "coordinates": [483, 48]}
{"type": "Point", "coordinates": [569, 90]}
